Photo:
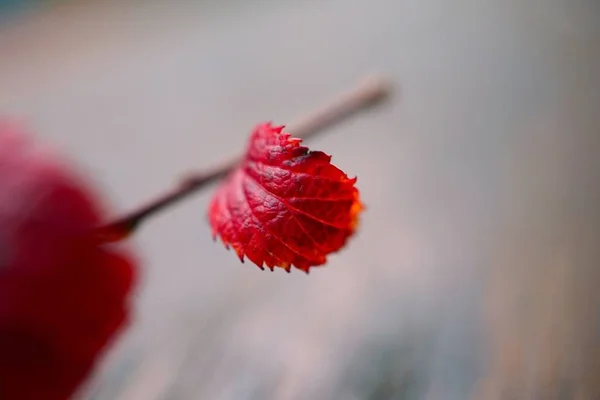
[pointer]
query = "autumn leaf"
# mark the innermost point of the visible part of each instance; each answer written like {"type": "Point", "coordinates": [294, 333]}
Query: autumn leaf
{"type": "Point", "coordinates": [62, 297]}
{"type": "Point", "coordinates": [284, 205]}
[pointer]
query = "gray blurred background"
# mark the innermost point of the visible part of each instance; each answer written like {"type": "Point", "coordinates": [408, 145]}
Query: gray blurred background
{"type": "Point", "coordinates": [474, 274]}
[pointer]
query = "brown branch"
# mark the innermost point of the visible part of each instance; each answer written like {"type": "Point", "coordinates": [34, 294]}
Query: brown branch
{"type": "Point", "coordinates": [369, 92]}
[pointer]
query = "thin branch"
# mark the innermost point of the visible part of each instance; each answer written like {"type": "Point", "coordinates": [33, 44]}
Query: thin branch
{"type": "Point", "coordinates": [368, 93]}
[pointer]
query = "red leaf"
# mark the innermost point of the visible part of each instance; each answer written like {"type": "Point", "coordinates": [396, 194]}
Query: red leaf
{"type": "Point", "coordinates": [285, 205]}
{"type": "Point", "coordinates": [62, 298]}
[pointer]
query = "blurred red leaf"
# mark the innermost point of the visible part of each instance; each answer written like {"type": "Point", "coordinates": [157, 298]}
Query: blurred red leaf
{"type": "Point", "coordinates": [284, 205]}
{"type": "Point", "coordinates": [62, 297]}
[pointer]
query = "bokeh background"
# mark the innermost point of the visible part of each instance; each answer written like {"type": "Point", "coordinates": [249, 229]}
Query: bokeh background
{"type": "Point", "coordinates": [475, 271]}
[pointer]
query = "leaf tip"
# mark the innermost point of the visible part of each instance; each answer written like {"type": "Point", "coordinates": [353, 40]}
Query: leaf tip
{"type": "Point", "coordinates": [277, 128]}
{"type": "Point", "coordinates": [240, 253]}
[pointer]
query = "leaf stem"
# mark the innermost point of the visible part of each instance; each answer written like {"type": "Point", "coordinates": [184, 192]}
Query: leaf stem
{"type": "Point", "coordinates": [367, 93]}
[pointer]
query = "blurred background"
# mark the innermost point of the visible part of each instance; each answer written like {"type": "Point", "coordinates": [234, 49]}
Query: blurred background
{"type": "Point", "coordinates": [474, 274]}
